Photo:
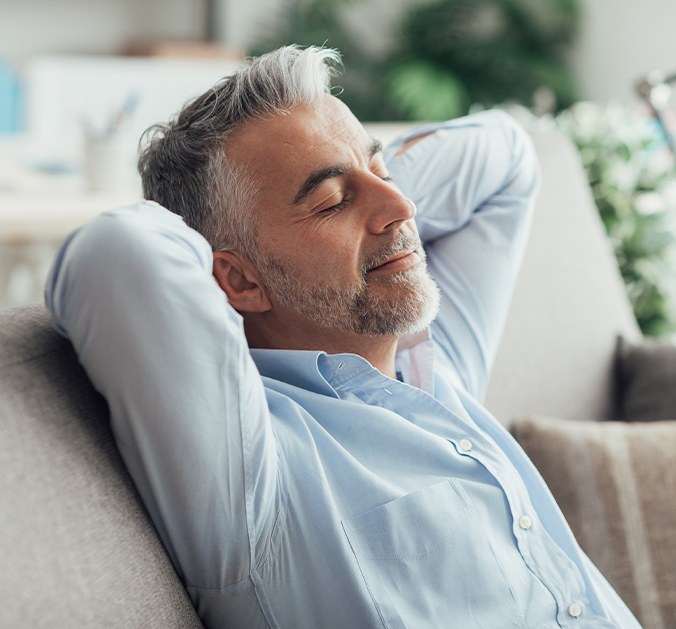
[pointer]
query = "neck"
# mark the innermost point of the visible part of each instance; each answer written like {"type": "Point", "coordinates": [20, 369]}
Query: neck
{"type": "Point", "coordinates": [289, 334]}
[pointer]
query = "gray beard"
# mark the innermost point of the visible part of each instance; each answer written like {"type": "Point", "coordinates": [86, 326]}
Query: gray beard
{"type": "Point", "coordinates": [409, 307]}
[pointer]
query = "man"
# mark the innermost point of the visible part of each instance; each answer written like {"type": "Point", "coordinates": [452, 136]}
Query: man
{"type": "Point", "coordinates": [304, 430]}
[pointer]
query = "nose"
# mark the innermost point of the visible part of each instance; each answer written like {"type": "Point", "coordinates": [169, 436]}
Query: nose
{"type": "Point", "coordinates": [388, 207]}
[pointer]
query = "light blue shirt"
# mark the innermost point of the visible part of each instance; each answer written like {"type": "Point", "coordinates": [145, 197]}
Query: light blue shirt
{"type": "Point", "coordinates": [297, 489]}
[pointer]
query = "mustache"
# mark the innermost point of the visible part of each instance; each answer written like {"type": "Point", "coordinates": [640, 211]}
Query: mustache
{"type": "Point", "coordinates": [403, 243]}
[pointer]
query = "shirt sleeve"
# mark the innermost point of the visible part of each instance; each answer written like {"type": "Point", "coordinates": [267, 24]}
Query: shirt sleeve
{"type": "Point", "coordinates": [474, 181]}
{"type": "Point", "coordinates": [133, 291]}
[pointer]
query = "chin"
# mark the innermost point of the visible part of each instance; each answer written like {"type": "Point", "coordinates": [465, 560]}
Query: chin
{"type": "Point", "coordinates": [407, 307]}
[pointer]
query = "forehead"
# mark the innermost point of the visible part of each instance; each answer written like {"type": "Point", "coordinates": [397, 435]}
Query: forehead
{"type": "Point", "coordinates": [281, 150]}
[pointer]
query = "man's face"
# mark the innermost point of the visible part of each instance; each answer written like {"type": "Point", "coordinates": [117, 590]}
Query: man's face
{"type": "Point", "coordinates": [337, 245]}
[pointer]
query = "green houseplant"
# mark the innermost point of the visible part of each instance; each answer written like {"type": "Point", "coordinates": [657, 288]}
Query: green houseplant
{"type": "Point", "coordinates": [454, 53]}
{"type": "Point", "coordinates": [631, 174]}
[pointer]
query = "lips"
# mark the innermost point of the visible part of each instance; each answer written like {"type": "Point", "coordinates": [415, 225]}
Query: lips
{"type": "Point", "coordinates": [402, 253]}
{"type": "Point", "coordinates": [400, 261]}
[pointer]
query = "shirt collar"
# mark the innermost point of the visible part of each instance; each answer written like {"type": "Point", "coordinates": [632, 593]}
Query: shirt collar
{"type": "Point", "coordinates": [316, 370]}
{"type": "Point", "coordinates": [299, 368]}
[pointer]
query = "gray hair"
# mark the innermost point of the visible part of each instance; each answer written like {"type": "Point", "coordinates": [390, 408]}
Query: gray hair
{"type": "Point", "coordinates": [184, 164]}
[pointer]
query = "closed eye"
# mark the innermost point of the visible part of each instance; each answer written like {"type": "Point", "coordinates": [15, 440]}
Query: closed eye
{"type": "Point", "coordinates": [335, 208]}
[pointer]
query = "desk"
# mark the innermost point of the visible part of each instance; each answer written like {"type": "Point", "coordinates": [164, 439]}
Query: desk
{"type": "Point", "coordinates": [41, 216]}
{"type": "Point", "coordinates": [37, 211]}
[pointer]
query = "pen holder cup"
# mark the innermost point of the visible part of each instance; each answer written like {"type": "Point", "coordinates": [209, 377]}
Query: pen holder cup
{"type": "Point", "coordinates": [109, 163]}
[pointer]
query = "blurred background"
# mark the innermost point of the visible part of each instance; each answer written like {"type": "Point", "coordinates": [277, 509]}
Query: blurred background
{"type": "Point", "coordinates": [81, 79]}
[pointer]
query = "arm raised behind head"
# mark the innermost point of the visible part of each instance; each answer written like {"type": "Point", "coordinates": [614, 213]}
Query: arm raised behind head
{"type": "Point", "coordinates": [474, 181]}
{"type": "Point", "coordinates": [133, 291]}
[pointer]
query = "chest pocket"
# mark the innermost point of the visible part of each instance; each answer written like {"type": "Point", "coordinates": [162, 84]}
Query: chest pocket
{"type": "Point", "coordinates": [427, 563]}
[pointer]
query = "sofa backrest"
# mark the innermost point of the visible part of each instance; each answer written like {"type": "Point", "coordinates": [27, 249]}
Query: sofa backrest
{"type": "Point", "coordinates": [569, 305]}
{"type": "Point", "coordinates": [77, 547]}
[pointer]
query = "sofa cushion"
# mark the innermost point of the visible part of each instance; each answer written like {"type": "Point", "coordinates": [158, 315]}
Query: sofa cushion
{"type": "Point", "coordinates": [616, 484]}
{"type": "Point", "coordinates": [77, 547]}
{"type": "Point", "coordinates": [646, 380]}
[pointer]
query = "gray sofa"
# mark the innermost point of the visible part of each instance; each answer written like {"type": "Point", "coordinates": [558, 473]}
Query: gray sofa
{"type": "Point", "coordinates": [77, 547]}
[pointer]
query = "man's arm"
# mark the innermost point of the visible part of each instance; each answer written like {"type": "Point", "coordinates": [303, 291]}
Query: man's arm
{"type": "Point", "coordinates": [474, 181]}
{"type": "Point", "coordinates": [133, 291]}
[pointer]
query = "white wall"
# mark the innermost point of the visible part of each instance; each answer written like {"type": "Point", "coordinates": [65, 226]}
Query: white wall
{"type": "Point", "coordinates": [29, 27]}
{"type": "Point", "coordinates": [247, 20]}
{"type": "Point", "coordinates": [621, 40]}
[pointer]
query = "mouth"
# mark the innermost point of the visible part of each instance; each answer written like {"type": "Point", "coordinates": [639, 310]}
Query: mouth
{"type": "Point", "coordinates": [401, 261]}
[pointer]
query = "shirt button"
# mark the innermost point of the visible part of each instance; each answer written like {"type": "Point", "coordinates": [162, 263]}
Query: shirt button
{"type": "Point", "coordinates": [575, 609]}
{"type": "Point", "coordinates": [465, 445]}
{"type": "Point", "coordinates": [525, 522]}
{"type": "Point", "coordinates": [341, 365]}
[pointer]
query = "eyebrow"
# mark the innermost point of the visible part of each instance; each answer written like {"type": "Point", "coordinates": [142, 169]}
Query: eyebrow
{"type": "Point", "coordinates": [317, 177]}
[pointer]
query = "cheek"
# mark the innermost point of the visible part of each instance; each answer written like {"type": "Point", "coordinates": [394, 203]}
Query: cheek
{"type": "Point", "coordinates": [326, 253]}
{"type": "Point", "coordinates": [338, 257]}
{"type": "Point", "coordinates": [327, 249]}
{"type": "Point", "coordinates": [331, 265]}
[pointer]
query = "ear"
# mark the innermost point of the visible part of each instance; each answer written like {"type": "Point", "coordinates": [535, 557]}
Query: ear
{"type": "Point", "coordinates": [238, 279]}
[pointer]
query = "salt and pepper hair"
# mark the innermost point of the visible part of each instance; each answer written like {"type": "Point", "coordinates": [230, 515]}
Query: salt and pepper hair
{"type": "Point", "coordinates": [184, 164]}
